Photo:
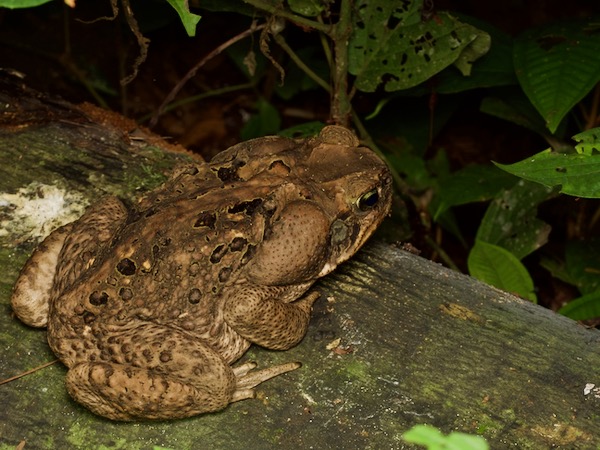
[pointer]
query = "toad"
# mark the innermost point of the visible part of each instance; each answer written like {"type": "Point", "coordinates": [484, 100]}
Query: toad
{"type": "Point", "coordinates": [150, 305]}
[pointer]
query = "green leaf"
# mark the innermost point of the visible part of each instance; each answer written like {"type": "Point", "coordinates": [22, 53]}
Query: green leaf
{"type": "Point", "coordinates": [588, 141]}
{"type": "Point", "coordinates": [583, 308]}
{"type": "Point", "coordinates": [14, 4]}
{"type": "Point", "coordinates": [304, 130]}
{"type": "Point", "coordinates": [557, 65]}
{"type": "Point", "coordinates": [266, 121]}
{"type": "Point", "coordinates": [582, 260]}
{"type": "Point", "coordinates": [309, 8]}
{"type": "Point", "coordinates": [392, 46]}
{"type": "Point", "coordinates": [516, 108]}
{"type": "Point", "coordinates": [435, 440]}
{"type": "Point", "coordinates": [500, 268]}
{"type": "Point", "coordinates": [576, 174]}
{"type": "Point", "coordinates": [474, 183]}
{"type": "Point", "coordinates": [188, 19]}
{"type": "Point", "coordinates": [510, 222]}
{"type": "Point", "coordinates": [494, 68]}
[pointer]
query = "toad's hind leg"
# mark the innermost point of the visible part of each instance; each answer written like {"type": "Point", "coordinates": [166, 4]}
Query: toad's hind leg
{"type": "Point", "coordinates": [31, 293]}
{"type": "Point", "coordinates": [169, 376]}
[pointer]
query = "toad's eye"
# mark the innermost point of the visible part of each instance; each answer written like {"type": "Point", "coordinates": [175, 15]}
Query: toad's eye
{"type": "Point", "coordinates": [368, 200]}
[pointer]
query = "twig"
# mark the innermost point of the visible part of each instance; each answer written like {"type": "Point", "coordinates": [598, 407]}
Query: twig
{"type": "Point", "coordinates": [298, 20]}
{"type": "Point", "coordinates": [35, 369]}
{"type": "Point", "coordinates": [142, 41]}
{"type": "Point", "coordinates": [192, 72]}
{"type": "Point", "coordinates": [307, 70]}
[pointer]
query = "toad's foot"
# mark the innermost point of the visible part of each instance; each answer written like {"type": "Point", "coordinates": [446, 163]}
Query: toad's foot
{"type": "Point", "coordinates": [247, 380]}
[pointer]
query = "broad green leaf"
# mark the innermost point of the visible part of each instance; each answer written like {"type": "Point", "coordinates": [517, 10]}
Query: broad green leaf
{"type": "Point", "coordinates": [583, 308]}
{"type": "Point", "coordinates": [576, 174]}
{"type": "Point", "coordinates": [472, 184]}
{"type": "Point", "coordinates": [588, 141]}
{"type": "Point", "coordinates": [14, 4]}
{"type": "Point", "coordinates": [500, 268]}
{"type": "Point", "coordinates": [557, 65]}
{"type": "Point", "coordinates": [391, 45]}
{"type": "Point", "coordinates": [188, 19]}
{"type": "Point", "coordinates": [510, 220]}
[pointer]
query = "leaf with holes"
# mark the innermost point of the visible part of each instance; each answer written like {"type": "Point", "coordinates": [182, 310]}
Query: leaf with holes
{"type": "Point", "coordinates": [510, 220]}
{"type": "Point", "coordinates": [588, 141]}
{"type": "Point", "coordinates": [392, 46]}
{"type": "Point", "coordinates": [575, 173]}
{"type": "Point", "coordinates": [500, 268]}
{"type": "Point", "coordinates": [557, 65]}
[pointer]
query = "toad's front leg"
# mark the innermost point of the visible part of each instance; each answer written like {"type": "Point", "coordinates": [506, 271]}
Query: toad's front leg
{"type": "Point", "coordinates": [268, 322]}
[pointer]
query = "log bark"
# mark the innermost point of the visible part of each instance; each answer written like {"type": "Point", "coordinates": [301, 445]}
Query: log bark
{"type": "Point", "coordinates": [395, 340]}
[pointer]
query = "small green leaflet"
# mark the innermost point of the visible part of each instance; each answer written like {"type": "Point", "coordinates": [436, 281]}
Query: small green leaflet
{"type": "Point", "coordinates": [188, 19]}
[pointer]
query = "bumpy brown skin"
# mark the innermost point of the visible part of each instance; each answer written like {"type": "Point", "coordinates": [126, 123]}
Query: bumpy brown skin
{"type": "Point", "coordinates": [149, 306]}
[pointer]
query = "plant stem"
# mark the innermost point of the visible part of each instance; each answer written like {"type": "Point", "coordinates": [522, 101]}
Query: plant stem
{"type": "Point", "coordinates": [340, 103]}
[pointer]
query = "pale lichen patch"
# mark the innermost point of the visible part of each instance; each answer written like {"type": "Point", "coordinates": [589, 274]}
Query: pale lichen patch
{"type": "Point", "coordinates": [37, 209]}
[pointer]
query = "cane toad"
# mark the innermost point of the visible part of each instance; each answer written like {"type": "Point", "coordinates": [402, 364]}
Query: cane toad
{"type": "Point", "coordinates": [150, 305]}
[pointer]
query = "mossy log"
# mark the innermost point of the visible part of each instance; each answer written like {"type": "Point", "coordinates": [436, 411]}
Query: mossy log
{"type": "Point", "coordinates": [395, 340]}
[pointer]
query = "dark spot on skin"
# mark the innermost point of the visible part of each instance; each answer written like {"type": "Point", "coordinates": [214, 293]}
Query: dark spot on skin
{"type": "Point", "coordinates": [126, 348]}
{"type": "Point", "coordinates": [238, 244]}
{"type": "Point", "coordinates": [194, 296]}
{"type": "Point", "coordinates": [218, 254]}
{"type": "Point", "coordinates": [98, 298]}
{"type": "Point", "coordinates": [205, 219]}
{"type": "Point", "coordinates": [249, 254]}
{"type": "Point", "coordinates": [247, 207]}
{"type": "Point", "coordinates": [126, 267]}
{"type": "Point", "coordinates": [89, 318]}
{"type": "Point", "coordinates": [165, 357]}
{"type": "Point", "coordinates": [125, 294]}
{"type": "Point", "coordinates": [147, 353]}
{"type": "Point", "coordinates": [228, 174]}
{"type": "Point", "coordinates": [224, 274]}
{"type": "Point", "coordinates": [150, 212]}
